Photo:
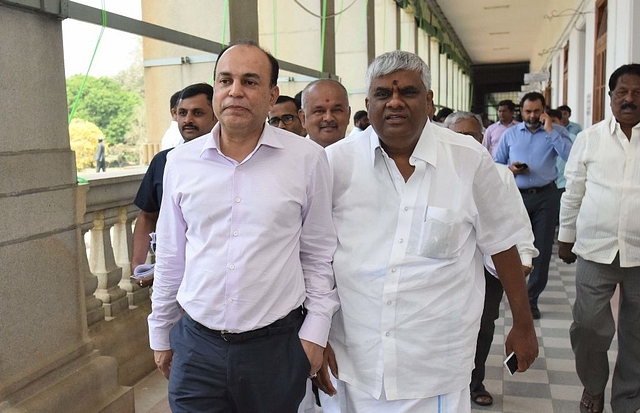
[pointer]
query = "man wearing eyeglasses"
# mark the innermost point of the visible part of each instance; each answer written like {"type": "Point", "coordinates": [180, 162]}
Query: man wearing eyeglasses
{"type": "Point", "coordinates": [284, 115]}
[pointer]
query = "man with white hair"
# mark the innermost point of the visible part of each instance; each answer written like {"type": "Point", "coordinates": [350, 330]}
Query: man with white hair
{"type": "Point", "coordinates": [414, 210]}
{"type": "Point", "coordinates": [468, 123]}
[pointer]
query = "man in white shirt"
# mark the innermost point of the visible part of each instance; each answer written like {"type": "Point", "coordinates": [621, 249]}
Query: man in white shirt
{"type": "Point", "coordinates": [172, 136]}
{"type": "Point", "coordinates": [360, 122]}
{"type": "Point", "coordinates": [325, 111]}
{"type": "Point", "coordinates": [245, 238]}
{"type": "Point", "coordinates": [600, 226]}
{"type": "Point", "coordinates": [414, 210]}
{"type": "Point", "coordinates": [468, 123]}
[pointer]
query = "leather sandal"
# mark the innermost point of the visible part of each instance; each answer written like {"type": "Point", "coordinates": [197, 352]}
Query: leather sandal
{"type": "Point", "coordinates": [591, 404]}
{"type": "Point", "coordinates": [481, 393]}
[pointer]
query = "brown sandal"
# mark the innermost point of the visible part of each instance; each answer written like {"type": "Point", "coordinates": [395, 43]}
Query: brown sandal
{"type": "Point", "coordinates": [591, 404]}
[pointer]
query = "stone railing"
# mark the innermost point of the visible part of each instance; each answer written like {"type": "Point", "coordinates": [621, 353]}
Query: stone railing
{"type": "Point", "coordinates": [116, 307]}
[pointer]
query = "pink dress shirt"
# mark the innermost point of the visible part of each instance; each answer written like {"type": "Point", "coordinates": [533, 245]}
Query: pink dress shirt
{"type": "Point", "coordinates": [493, 134]}
{"type": "Point", "coordinates": [242, 244]}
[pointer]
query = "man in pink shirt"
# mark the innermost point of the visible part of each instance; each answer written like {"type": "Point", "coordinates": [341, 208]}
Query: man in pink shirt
{"type": "Point", "coordinates": [494, 132]}
{"type": "Point", "coordinates": [244, 290]}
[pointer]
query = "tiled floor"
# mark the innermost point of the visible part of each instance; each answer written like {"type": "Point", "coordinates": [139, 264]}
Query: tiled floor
{"type": "Point", "coordinates": [549, 386]}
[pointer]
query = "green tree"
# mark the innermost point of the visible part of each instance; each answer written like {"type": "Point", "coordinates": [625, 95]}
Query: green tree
{"type": "Point", "coordinates": [105, 103]}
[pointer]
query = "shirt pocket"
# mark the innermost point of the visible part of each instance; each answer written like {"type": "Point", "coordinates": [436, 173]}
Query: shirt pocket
{"type": "Point", "coordinates": [441, 232]}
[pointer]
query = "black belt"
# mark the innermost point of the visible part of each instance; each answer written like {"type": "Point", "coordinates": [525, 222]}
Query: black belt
{"type": "Point", "coordinates": [291, 322]}
{"type": "Point", "coordinates": [535, 190]}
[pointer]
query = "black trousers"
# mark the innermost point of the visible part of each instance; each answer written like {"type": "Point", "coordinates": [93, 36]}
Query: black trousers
{"type": "Point", "coordinates": [260, 375]}
{"type": "Point", "coordinates": [491, 312]}
{"type": "Point", "coordinates": [543, 208]}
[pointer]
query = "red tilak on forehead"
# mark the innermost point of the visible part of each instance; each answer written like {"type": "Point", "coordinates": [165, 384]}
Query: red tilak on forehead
{"type": "Point", "coordinates": [326, 100]}
{"type": "Point", "coordinates": [395, 82]}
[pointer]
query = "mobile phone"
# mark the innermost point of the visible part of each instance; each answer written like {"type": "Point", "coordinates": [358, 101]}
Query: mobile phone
{"type": "Point", "coordinates": [511, 363]}
{"type": "Point", "coordinates": [522, 166]}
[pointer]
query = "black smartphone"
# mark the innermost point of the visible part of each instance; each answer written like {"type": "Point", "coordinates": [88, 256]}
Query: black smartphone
{"type": "Point", "coordinates": [522, 166]}
{"type": "Point", "coordinates": [511, 363]}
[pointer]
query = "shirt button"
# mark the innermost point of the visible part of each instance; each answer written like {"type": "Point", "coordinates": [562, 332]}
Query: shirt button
{"type": "Point", "coordinates": [232, 266]}
{"type": "Point", "coordinates": [401, 240]}
{"type": "Point", "coordinates": [393, 270]}
{"type": "Point", "coordinates": [238, 199]}
{"type": "Point", "coordinates": [235, 233]}
{"type": "Point", "coordinates": [387, 334]}
{"type": "Point", "coordinates": [388, 302]}
{"type": "Point", "coordinates": [406, 208]}
{"type": "Point", "coordinates": [230, 299]}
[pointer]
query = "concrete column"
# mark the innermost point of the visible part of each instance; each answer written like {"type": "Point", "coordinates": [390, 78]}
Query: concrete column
{"type": "Point", "coordinates": [244, 15]}
{"type": "Point", "coordinates": [329, 58]}
{"type": "Point", "coordinates": [47, 362]}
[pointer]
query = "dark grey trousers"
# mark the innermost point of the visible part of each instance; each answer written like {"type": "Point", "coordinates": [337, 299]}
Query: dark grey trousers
{"type": "Point", "coordinates": [261, 375]}
{"type": "Point", "coordinates": [593, 329]}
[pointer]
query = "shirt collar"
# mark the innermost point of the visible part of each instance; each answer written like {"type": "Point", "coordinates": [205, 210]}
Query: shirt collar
{"type": "Point", "coordinates": [523, 126]}
{"type": "Point", "coordinates": [425, 149]}
{"type": "Point", "coordinates": [612, 125]}
{"type": "Point", "coordinates": [269, 137]}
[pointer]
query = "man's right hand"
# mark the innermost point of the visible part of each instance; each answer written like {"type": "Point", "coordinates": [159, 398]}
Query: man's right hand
{"type": "Point", "coordinates": [323, 380]}
{"type": "Point", "coordinates": [565, 253]}
{"type": "Point", "coordinates": [518, 169]}
{"type": "Point", "coordinates": [163, 361]}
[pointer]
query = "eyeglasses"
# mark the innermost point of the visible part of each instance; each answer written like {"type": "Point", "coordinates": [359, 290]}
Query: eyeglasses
{"type": "Point", "coordinates": [286, 119]}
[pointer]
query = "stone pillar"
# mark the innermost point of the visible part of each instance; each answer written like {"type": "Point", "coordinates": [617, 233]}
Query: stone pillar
{"type": "Point", "coordinates": [94, 309]}
{"type": "Point", "coordinates": [244, 16]}
{"type": "Point", "coordinates": [122, 247]}
{"type": "Point", "coordinates": [47, 362]}
{"type": "Point", "coordinates": [103, 266]}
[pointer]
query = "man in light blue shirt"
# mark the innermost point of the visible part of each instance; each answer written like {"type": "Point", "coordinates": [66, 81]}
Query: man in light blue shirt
{"type": "Point", "coordinates": [572, 127]}
{"type": "Point", "coordinates": [530, 149]}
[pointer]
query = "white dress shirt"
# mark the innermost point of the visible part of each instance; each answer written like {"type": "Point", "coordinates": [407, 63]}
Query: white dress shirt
{"type": "Point", "coordinates": [240, 245]}
{"type": "Point", "coordinates": [171, 137]}
{"type": "Point", "coordinates": [600, 209]}
{"type": "Point", "coordinates": [526, 250]}
{"type": "Point", "coordinates": [409, 261]}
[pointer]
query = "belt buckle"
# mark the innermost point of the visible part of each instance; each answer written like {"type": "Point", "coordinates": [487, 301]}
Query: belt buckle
{"type": "Point", "coordinates": [224, 333]}
{"type": "Point", "coordinates": [532, 191]}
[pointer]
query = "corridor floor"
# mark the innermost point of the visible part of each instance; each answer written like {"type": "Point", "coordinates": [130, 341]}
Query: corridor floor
{"type": "Point", "coordinates": [549, 386]}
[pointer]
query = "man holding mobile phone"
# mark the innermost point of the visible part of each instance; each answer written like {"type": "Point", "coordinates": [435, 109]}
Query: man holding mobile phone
{"type": "Point", "coordinates": [530, 150]}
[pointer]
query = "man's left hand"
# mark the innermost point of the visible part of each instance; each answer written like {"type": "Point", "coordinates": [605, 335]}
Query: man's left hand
{"type": "Point", "coordinates": [524, 343]}
{"type": "Point", "coordinates": [314, 354]}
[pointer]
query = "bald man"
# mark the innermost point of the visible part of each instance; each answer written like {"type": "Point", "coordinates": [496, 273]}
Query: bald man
{"type": "Point", "coordinates": [325, 112]}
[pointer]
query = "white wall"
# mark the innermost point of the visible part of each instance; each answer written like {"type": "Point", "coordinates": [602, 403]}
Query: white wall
{"type": "Point", "coordinates": [576, 94]}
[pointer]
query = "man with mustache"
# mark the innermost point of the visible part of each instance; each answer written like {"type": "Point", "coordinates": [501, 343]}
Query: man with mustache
{"type": "Point", "coordinates": [194, 115]}
{"type": "Point", "coordinates": [414, 210]}
{"type": "Point", "coordinates": [325, 111]}
{"type": "Point", "coordinates": [530, 149]}
{"type": "Point", "coordinates": [244, 290]}
{"type": "Point", "coordinates": [599, 226]}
